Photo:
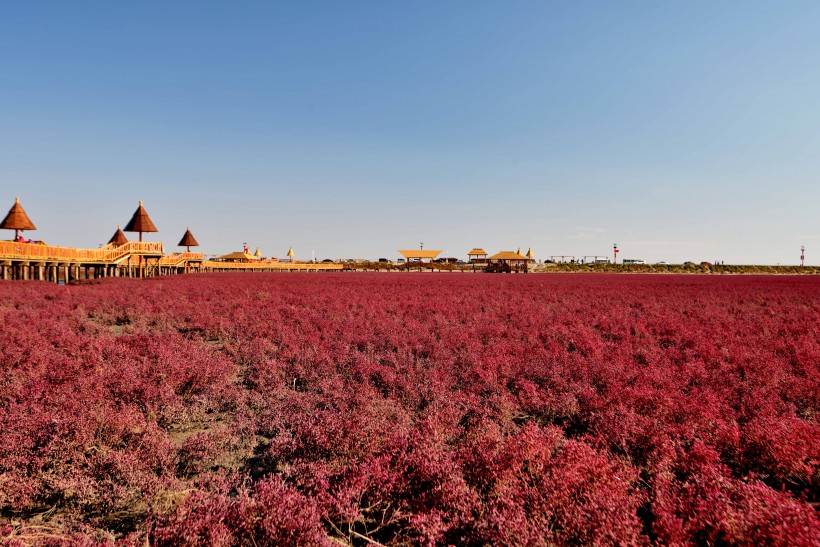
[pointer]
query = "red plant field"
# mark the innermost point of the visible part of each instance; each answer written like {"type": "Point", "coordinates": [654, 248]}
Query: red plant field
{"type": "Point", "coordinates": [294, 409]}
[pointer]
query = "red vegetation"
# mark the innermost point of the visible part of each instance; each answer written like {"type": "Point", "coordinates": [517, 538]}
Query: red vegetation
{"type": "Point", "coordinates": [411, 408]}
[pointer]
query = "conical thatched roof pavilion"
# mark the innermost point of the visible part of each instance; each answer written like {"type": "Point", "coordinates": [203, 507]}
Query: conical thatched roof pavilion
{"type": "Point", "coordinates": [188, 240]}
{"type": "Point", "coordinates": [258, 253]}
{"type": "Point", "coordinates": [118, 238]}
{"type": "Point", "coordinates": [140, 222]}
{"type": "Point", "coordinates": [17, 219]}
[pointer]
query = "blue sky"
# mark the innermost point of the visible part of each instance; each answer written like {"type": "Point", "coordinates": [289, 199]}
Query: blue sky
{"type": "Point", "coordinates": [681, 131]}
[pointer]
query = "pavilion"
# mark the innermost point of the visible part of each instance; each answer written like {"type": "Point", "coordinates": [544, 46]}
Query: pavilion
{"type": "Point", "coordinates": [420, 255]}
{"type": "Point", "coordinates": [477, 256]}
{"type": "Point", "coordinates": [238, 256]}
{"type": "Point", "coordinates": [508, 261]}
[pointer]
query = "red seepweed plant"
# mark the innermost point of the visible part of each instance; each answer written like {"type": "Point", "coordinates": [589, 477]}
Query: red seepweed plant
{"type": "Point", "coordinates": [425, 409]}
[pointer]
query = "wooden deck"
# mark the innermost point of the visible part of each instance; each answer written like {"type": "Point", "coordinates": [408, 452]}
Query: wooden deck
{"type": "Point", "coordinates": [133, 259]}
{"type": "Point", "coordinates": [263, 266]}
{"type": "Point", "coordinates": [62, 264]}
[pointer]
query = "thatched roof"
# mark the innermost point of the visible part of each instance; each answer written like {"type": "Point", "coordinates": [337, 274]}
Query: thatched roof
{"type": "Point", "coordinates": [188, 240]}
{"type": "Point", "coordinates": [477, 252]}
{"type": "Point", "coordinates": [258, 253]}
{"type": "Point", "coordinates": [291, 254]}
{"type": "Point", "coordinates": [529, 253]}
{"type": "Point", "coordinates": [420, 253]}
{"type": "Point", "coordinates": [17, 219]}
{"type": "Point", "coordinates": [118, 238]}
{"type": "Point", "coordinates": [508, 255]}
{"type": "Point", "coordinates": [140, 222]}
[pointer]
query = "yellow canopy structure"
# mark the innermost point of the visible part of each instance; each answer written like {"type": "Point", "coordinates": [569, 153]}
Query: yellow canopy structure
{"type": "Point", "coordinates": [420, 254]}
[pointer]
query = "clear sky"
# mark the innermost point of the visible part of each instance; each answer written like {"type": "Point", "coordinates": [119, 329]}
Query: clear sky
{"type": "Point", "coordinates": [680, 130]}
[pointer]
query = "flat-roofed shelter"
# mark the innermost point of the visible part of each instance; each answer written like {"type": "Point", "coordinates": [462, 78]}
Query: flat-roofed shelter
{"type": "Point", "coordinates": [140, 222]}
{"type": "Point", "coordinates": [118, 238]}
{"type": "Point", "coordinates": [477, 255]}
{"type": "Point", "coordinates": [17, 220]}
{"type": "Point", "coordinates": [419, 254]}
{"type": "Point", "coordinates": [188, 240]}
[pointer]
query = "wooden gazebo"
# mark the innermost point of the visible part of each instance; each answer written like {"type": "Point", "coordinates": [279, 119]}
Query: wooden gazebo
{"type": "Point", "coordinates": [17, 220]}
{"type": "Point", "coordinates": [118, 238]}
{"type": "Point", "coordinates": [507, 261]}
{"type": "Point", "coordinates": [477, 256]}
{"type": "Point", "coordinates": [238, 256]}
{"type": "Point", "coordinates": [291, 254]}
{"type": "Point", "coordinates": [188, 240]}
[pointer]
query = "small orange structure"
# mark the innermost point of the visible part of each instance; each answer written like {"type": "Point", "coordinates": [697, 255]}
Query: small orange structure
{"type": "Point", "coordinates": [188, 240]}
{"type": "Point", "coordinates": [477, 256]}
{"type": "Point", "coordinates": [291, 255]}
{"type": "Point", "coordinates": [258, 253]}
{"type": "Point", "coordinates": [238, 256]}
{"type": "Point", "coordinates": [118, 238]}
{"type": "Point", "coordinates": [17, 220]}
{"type": "Point", "coordinates": [530, 256]}
{"type": "Point", "coordinates": [507, 261]}
{"type": "Point", "coordinates": [420, 255]}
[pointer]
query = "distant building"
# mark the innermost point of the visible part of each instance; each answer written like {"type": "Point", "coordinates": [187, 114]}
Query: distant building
{"type": "Point", "coordinates": [477, 256]}
{"type": "Point", "coordinates": [239, 256]}
{"type": "Point", "coordinates": [420, 255]}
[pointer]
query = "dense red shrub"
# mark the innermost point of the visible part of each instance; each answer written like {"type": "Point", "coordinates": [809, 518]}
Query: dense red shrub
{"type": "Point", "coordinates": [411, 408]}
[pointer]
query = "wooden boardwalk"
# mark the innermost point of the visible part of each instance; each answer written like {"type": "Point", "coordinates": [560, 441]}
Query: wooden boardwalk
{"type": "Point", "coordinates": [50, 263]}
{"type": "Point", "coordinates": [33, 261]}
{"type": "Point", "coordinates": [265, 266]}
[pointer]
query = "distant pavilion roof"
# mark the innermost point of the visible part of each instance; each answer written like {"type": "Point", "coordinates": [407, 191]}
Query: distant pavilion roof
{"type": "Point", "coordinates": [529, 253]}
{"type": "Point", "coordinates": [258, 253]}
{"type": "Point", "coordinates": [291, 254]}
{"type": "Point", "coordinates": [238, 255]}
{"type": "Point", "coordinates": [188, 240]}
{"type": "Point", "coordinates": [17, 219]}
{"type": "Point", "coordinates": [478, 252]}
{"type": "Point", "coordinates": [118, 238]}
{"type": "Point", "coordinates": [420, 253]}
{"type": "Point", "coordinates": [508, 255]}
{"type": "Point", "coordinates": [140, 222]}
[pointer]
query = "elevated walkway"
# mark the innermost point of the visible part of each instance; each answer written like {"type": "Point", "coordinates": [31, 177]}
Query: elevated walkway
{"type": "Point", "coordinates": [263, 266]}
{"type": "Point", "coordinates": [52, 263]}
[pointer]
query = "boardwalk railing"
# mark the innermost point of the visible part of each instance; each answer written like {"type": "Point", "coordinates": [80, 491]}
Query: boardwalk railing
{"type": "Point", "coordinates": [12, 250]}
{"type": "Point", "coordinates": [175, 259]}
{"type": "Point", "coordinates": [269, 266]}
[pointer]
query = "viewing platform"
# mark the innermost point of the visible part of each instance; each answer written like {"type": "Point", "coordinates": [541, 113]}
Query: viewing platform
{"type": "Point", "coordinates": [37, 261]}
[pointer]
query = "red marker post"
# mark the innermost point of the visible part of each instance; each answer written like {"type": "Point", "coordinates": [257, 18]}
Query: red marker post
{"type": "Point", "coordinates": [615, 253]}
